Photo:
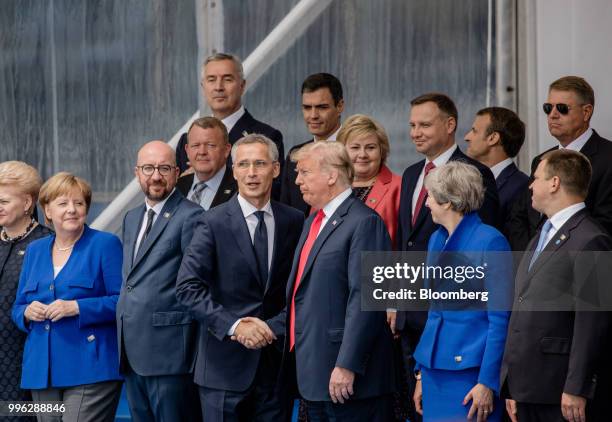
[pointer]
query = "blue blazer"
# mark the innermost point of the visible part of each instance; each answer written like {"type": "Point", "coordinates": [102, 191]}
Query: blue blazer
{"type": "Point", "coordinates": [75, 350]}
{"type": "Point", "coordinates": [330, 327]}
{"type": "Point", "coordinates": [457, 340]}
{"type": "Point", "coordinates": [219, 282]}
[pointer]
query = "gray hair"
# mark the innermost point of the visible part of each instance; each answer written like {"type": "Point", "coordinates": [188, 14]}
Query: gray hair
{"type": "Point", "coordinates": [330, 155]}
{"type": "Point", "coordinates": [217, 57]}
{"type": "Point", "coordinates": [457, 183]}
{"type": "Point", "coordinates": [256, 138]}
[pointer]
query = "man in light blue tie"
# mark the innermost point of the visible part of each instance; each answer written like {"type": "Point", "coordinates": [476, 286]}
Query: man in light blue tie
{"type": "Point", "coordinates": [553, 367]}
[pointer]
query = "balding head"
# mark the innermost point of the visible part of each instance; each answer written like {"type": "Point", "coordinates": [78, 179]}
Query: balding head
{"type": "Point", "coordinates": [156, 171]}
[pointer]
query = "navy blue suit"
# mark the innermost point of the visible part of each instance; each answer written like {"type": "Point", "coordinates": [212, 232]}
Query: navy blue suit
{"type": "Point", "coordinates": [246, 124]}
{"type": "Point", "coordinates": [290, 192]}
{"type": "Point", "coordinates": [330, 328]}
{"type": "Point", "coordinates": [511, 182]}
{"type": "Point", "coordinates": [219, 282]}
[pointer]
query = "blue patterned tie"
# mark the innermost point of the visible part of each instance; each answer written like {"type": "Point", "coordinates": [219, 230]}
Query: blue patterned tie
{"type": "Point", "coordinates": [543, 235]}
{"type": "Point", "coordinates": [260, 244]}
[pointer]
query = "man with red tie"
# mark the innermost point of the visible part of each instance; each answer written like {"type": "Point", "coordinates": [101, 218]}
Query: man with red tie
{"type": "Point", "coordinates": [338, 357]}
{"type": "Point", "coordinates": [433, 124]}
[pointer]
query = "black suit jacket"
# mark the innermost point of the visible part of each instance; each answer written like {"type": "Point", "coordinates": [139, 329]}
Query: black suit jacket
{"type": "Point", "coordinates": [558, 349]}
{"type": "Point", "coordinates": [524, 221]}
{"type": "Point", "coordinates": [219, 282]}
{"type": "Point", "coordinates": [511, 183]}
{"type": "Point", "coordinates": [416, 238]}
{"type": "Point", "coordinates": [290, 192]}
{"type": "Point", "coordinates": [227, 188]}
{"type": "Point", "coordinates": [246, 124]}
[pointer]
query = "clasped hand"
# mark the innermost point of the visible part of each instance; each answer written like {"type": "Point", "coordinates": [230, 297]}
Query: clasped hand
{"type": "Point", "coordinates": [253, 333]}
{"type": "Point", "coordinates": [37, 311]}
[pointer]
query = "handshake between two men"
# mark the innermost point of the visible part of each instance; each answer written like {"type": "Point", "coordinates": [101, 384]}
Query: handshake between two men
{"type": "Point", "coordinates": [253, 333]}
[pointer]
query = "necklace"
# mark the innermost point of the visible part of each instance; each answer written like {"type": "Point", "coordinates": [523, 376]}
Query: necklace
{"type": "Point", "coordinates": [67, 248]}
{"type": "Point", "coordinates": [5, 237]}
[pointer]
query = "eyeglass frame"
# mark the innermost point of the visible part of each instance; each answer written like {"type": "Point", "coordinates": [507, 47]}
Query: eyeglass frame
{"type": "Point", "coordinates": [258, 164]}
{"type": "Point", "coordinates": [158, 168]}
{"type": "Point", "coordinates": [566, 108]}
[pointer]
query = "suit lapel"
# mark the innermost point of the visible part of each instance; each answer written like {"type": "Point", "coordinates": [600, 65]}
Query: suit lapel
{"type": "Point", "coordinates": [239, 129]}
{"type": "Point", "coordinates": [410, 188]}
{"type": "Point", "coordinates": [240, 231]}
{"type": "Point", "coordinates": [334, 221]}
{"type": "Point", "coordinates": [158, 227]}
{"type": "Point", "coordinates": [227, 188]}
{"type": "Point", "coordinates": [505, 175]}
{"type": "Point", "coordinates": [380, 188]}
{"type": "Point", "coordinates": [281, 226]}
{"type": "Point", "coordinates": [134, 223]}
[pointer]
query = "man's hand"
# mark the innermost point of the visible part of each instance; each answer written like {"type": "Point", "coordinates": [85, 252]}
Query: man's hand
{"type": "Point", "coordinates": [341, 384]}
{"type": "Point", "coordinates": [62, 309]}
{"type": "Point", "coordinates": [511, 409]}
{"type": "Point", "coordinates": [35, 311]}
{"type": "Point", "coordinates": [253, 333]}
{"type": "Point", "coordinates": [391, 317]}
{"type": "Point", "coordinates": [573, 407]}
{"type": "Point", "coordinates": [482, 402]}
{"type": "Point", "coordinates": [417, 397]}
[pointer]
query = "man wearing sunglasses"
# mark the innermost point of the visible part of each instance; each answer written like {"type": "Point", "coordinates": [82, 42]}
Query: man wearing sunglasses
{"type": "Point", "coordinates": [569, 108]}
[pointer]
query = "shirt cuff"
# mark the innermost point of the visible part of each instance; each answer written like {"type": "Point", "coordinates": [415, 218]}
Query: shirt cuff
{"type": "Point", "coordinates": [230, 332]}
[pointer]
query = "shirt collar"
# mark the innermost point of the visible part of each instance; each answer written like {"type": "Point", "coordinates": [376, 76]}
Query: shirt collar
{"type": "Point", "coordinates": [578, 143]}
{"type": "Point", "coordinates": [160, 205]}
{"type": "Point", "coordinates": [248, 208]}
{"type": "Point", "coordinates": [213, 183]}
{"type": "Point", "coordinates": [499, 167]}
{"type": "Point", "coordinates": [333, 205]}
{"type": "Point", "coordinates": [331, 137]}
{"type": "Point", "coordinates": [443, 158]}
{"type": "Point", "coordinates": [231, 120]}
{"type": "Point", "coordinates": [561, 217]}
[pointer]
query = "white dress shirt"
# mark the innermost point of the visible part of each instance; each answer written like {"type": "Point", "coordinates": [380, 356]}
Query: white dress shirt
{"type": "Point", "coordinates": [157, 208]}
{"type": "Point", "coordinates": [578, 143]}
{"type": "Point", "coordinates": [230, 121]}
{"type": "Point", "coordinates": [560, 218]}
{"type": "Point", "coordinates": [212, 186]}
{"type": "Point", "coordinates": [333, 205]}
{"type": "Point", "coordinates": [439, 161]}
{"type": "Point", "coordinates": [331, 137]}
{"type": "Point", "coordinates": [499, 167]}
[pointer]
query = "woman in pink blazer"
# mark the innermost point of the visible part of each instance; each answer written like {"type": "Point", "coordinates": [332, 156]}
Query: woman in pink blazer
{"type": "Point", "coordinates": [368, 146]}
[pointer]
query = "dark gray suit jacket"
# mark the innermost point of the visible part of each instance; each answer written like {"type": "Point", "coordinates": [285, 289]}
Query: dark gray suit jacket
{"type": "Point", "coordinates": [156, 333]}
{"type": "Point", "coordinates": [227, 188]}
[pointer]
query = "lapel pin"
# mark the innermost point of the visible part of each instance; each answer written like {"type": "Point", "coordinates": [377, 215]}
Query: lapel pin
{"type": "Point", "coordinates": [245, 133]}
{"type": "Point", "coordinates": [557, 242]}
{"type": "Point", "coordinates": [227, 191]}
{"type": "Point", "coordinates": [21, 253]}
{"type": "Point", "coordinates": [563, 237]}
{"type": "Point", "coordinates": [334, 223]}
{"type": "Point", "coordinates": [372, 200]}
{"type": "Point", "coordinates": [166, 215]}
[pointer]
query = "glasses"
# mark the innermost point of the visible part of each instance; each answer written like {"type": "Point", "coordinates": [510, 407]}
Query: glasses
{"type": "Point", "coordinates": [561, 108]}
{"type": "Point", "coordinates": [149, 169]}
{"type": "Point", "coordinates": [258, 164]}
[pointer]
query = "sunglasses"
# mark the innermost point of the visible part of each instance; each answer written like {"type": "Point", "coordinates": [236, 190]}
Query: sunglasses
{"type": "Point", "coordinates": [561, 108]}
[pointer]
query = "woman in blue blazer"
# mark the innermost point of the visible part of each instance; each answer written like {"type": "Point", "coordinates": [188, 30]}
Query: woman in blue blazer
{"type": "Point", "coordinates": [66, 299]}
{"type": "Point", "coordinates": [460, 351]}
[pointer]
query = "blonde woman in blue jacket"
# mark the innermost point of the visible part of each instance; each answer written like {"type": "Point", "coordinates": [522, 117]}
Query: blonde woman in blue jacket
{"type": "Point", "coordinates": [460, 351]}
{"type": "Point", "coordinates": [66, 300]}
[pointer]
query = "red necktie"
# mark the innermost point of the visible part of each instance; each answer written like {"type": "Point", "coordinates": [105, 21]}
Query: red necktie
{"type": "Point", "coordinates": [422, 194]}
{"type": "Point", "coordinates": [310, 240]}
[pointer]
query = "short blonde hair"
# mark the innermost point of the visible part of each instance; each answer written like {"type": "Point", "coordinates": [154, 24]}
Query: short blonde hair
{"type": "Point", "coordinates": [361, 125]}
{"type": "Point", "coordinates": [457, 183]}
{"type": "Point", "coordinates": [62, 184]}
{"type": "Point", "coordinates": [23, 176]}
{"type": "Point", "coordinates": [329, 155]}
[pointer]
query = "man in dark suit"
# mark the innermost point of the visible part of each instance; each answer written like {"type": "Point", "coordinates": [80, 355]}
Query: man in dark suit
{"type": "Point", "coordinates": [495, 138]}
{"type": "Point", "coordinates": [338, 357]}
{"type": "Point", "coordinates": [211, 182]}
{"type": "Point", "coordinates": [569, 109]}
{"type": "Point", "coordinates": [322, 106]}
{"type": "Point", "coordinates": [233, 278]}
{"type": "Point", "coordinates": [433, 123]}
{"type": "Point", "coordinates": [552, 368]}
{"type": "Point", "coordinates": [157, 336]}
{"type": "Point", "coordinates": [223, 85]}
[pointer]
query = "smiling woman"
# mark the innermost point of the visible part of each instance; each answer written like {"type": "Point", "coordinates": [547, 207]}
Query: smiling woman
{"type": "Point", "coordinates": [65, 302]}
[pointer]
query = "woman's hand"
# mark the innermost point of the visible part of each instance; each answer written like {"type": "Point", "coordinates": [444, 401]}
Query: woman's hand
{"type": "Point", "coordinates": [482, 402]}
{"type": "Point", "coordinates": [35, 311]}
{"type": "Point", "coordinates": [62, 309]}
{"type": "Point", "coordinates": [418, 397]}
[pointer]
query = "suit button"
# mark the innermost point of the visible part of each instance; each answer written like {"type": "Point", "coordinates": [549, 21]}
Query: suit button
{"type": "Point", "coordinates": [128, 288]}
{"type": "Point", "coordinates": [51, 287]}
{"type": "Point", "coordinates": [410, 244]}
{"type": "Point", "coordinates": [520, 298]}
{"type": "Point", "coordinates": [47, 327]}
{"type": "Point", "coordinates": [458, 359]}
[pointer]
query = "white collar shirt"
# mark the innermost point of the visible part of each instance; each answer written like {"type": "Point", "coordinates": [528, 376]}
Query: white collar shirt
{"type": "Point", "coordinates": [440, 160]}
{"type": "Point", "coordinates": [212, 186]}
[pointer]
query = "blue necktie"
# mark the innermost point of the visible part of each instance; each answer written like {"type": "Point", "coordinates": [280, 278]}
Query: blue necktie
{"type": "Point", "coordinates": [543, 235]}
{"type": "Point", "coordinates": [260, 244]}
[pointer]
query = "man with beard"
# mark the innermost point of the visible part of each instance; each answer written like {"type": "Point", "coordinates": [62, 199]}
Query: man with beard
{"type": "Point", "coordinates": [157, 336]}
